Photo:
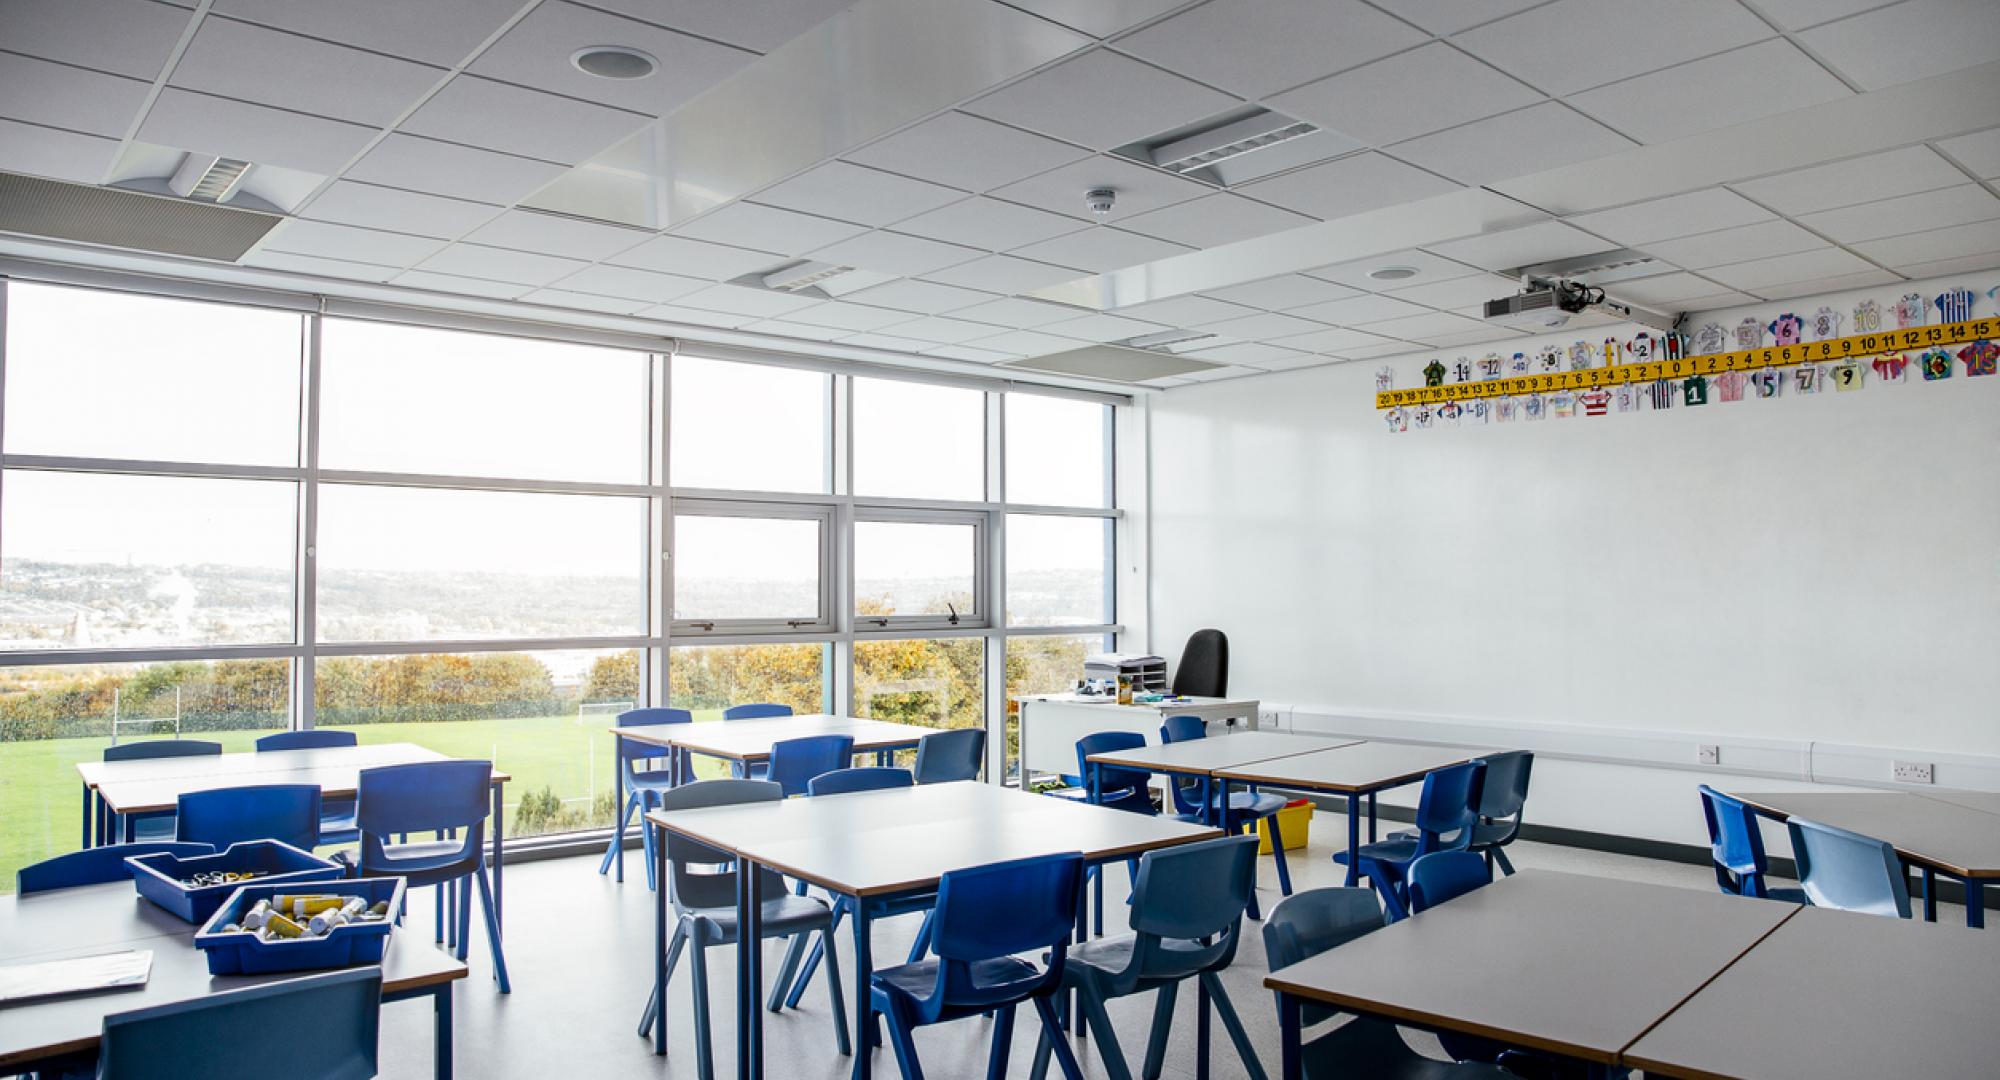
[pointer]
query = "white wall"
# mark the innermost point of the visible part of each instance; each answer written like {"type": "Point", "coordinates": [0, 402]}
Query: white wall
{"type": "Point", "coordinates": [1785, 572]}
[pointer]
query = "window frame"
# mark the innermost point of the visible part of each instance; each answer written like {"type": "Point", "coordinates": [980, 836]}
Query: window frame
{"type": "Point", "coordinates": [902, 626]}
{"type": "Point", "coordinates": [822, 623]}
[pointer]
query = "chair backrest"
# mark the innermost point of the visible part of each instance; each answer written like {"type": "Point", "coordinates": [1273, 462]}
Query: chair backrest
{"type": "Point", "coordinates": [1449, 807]}
{"type": "Point", "coordinates": [424, 796]}
{"type": "Point", "coordinates": [95, 866]}
{"type": "Point", "coordinates": [1001, 909]}
{"type": "Point", "coordinates": [158, 748]}
{"type": "Point", "coordinates": [1503, 791]}
{"type": "Point", "coordinates": [1735, 843]}
{"type": "Point", "coordinates": [320, 1026]}
{"type": "Point", "coordinates": [1204, 666]}
{"type": "Point", "coordinates": [867, 778]}
{"type": "Point", "coordinates": [1182, 728]}
{"type": "Point", "coordinates": [1308, 923]}
{"type": "Point", "coordinates": [1111, 779]}
{"type": "Point", "coordinates": [1187, 906]}
{"type": "Point", "coordinates": [316, 739]}
{"type": "Point", "coordinates": [288, 813]}
{"type": "Point", "coordinates": [631, 751]}
{"type": "Point", "coordinates": [696, 884]}
{"type": "Point", "coordinates": [755, 712]}
{"type": "Point", "coordinates": [1445, 875]}
{"type": "Point", "coordinates": [944, 756]}
{"type": "Point", "coordinates": [1845, 870]}
{"type": "Point", "coordinates": [794, 762]}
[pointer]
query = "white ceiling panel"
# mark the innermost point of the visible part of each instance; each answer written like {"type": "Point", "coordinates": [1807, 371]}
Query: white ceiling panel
{"type": "Point", "coordinates": [1102, 100]}
{"type": "Point", "coordinates": [1103, 328]}
{"type": "Point", "coordinates": [1138, 189]}
{"type": "Point", "coordinates": [354, 244]}
{"type": "Point", "coordinates": [1450, 16]}
{"type": "Point", "coordinates": [894, 253]}
{"type": "Point", "coordinates": [886, 342]}
{"type": "Point", "coordinates": [759, 25]}
{"type": "Point", "coordinates": [1100, 18]}
{"type": "Point", "coordinates": [453, 283]}
{"type": "Point", "coordinates": [1362, 309]}
{"type": "Point", "coordinates": [1427, 328]}
{"type": "Point", "coordinates": [1740, 244]}
{"type": "Point", "coordinates": [1002, 274]}
{"type": "Point", "coordinates": [440, 32]}
{"type": "Point", "coordinates": [1679, 215]}
{"type": "Point", "coordinates": [1530, 140]}
{"type": "Point", "coordinates": [1019, 314]}
{"type": "Point", "coordinates": [675, 313]}
{"type": "Point", "coordinates": [371, 206]}
{"type": "Point", "coordinates": [57, 95]}
{"type": "Point", "coordinates": [1461, 292]}
{"type": "Point", "coordinates": [967, 152]}
{"type": "Point", "coordinates": [553, 234]}
{"type": "Point", "coordinates": [922, 297]}
{"type": "Point", "coordinates": [58, 155]}
{"type": "Point", "coordinates": [1748, 84]}
{"type": "Point", "coordinates": [1604, 40]}
{"type": "Point", "coordinates": [856, 193]}
{"type": "Point", "coordinates": [1263, 327]}
{"type": "Point", "coordinates": [1799, 14]}
{"type": "Point", "coordinates": [515, 120]}
{"type": "Point", "coordinates": [1938, 244]}
{"type": "Point", "coordinates": [409, 162]}
{"type": "Point", "coordinates": [1961, 205]}
{"type": "Point", "coordinates": [629, 284]}
{"type": "Point", "coordinates": [1470, 337]}
{"type": "Point", "coordinates": [1759, 274]}
{"type": "Point", "coordinates": [1979, 152]}
{"type": "Point", "coordinates": [1188, 311]}
{"type": "Point", "coordinates": [270, 67]}
{"type": "Point", "coordinates": [989, 224]}
{"type": "Point", "coordinates": [767, 228]}
{"type": "Point", "coordinates": [1676, 289]}
{"type": "Point", "coordinates": [1909, 41]}
{"type": "Point", "coordinates": [537, 51]}
{"type": "Point", "coordinates": [1945, 267]}
{"type": "Point", "coordinates": [118, 36]}
{"type": "Point", "coordinates": [212, 125]}
{"type": "Point", "coordinates": [1338, 341]}
{"type": "Point", "coordinates": [1857, 180]}
{"type": "Point", "coordinates": [849, 318]}
{"type": "Point", "coordinates": [1258, 47]}
{"type": "Point", "coordinates": [1100, 249]}
{"type": "Point", "coordinates": [1280, 293]}
{"type": "Point", "coordinates": [322, 267]}
{"type": "Point", "coordinates": [1215, 220]}
{"type": "Point", "coordinates": [1407, 95]}
{"type": "Point", "coordinates": [1027, 343]}
{"type": "Point", "coordinates": [609, 305]}
{"type": "Point", "coordinates": [1428, 268]}
{"type": "Point", "coordinates": [695, 258]}
{"type": "Point", "coordinates": [787, 328]}
{"type": "Point", "coordinates": [501, 264]}
{"type": "Point", "coordinates": [1862, 280]}
{"type": "Point", "coordinates": [1254, 354]}
{"type": "Point", "coordinates": [941, 330]}
{"type": "Point", "coordinates": [1525, 246]}
{"type": "Point", "coordinates": [1370, 352]}
{"type": "Point", "coordinates": [1351, 185]}
{"type": "Point", "coordinates": [968, 352]}
{"type": "Point", "coordinates": [742, 300]}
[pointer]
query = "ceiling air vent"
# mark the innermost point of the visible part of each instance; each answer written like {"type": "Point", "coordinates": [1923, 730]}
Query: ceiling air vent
{"type": "Point", "coordinates": [128, 219]}
{"type": "Point", "coordinates": [1238, 146]}
{"type": "Point", "coordinates": [1115, 363]}
{"type": "Point", "coordinates": [207, 178]}
{"type": "Point", "coordinates": [800, 277]}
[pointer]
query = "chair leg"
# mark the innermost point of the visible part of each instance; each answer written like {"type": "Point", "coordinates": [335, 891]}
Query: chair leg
{"type": "Point", "coordinates": [1156, 1041]}
{"type": "Point", "coordinates": [906, 1047]}
{"type": "Point", "coordinates": [1052, 1037]}
{"type": "Point", "coordinates": [788, 969]}
{"type": "Point", "coordinates": [492, 930]}
{"type": "Point", "coordinates": [812, 958]}
{"type": "Point", "coordinates": [1200, 1030]}
{"type": "Point", "coordinates": [1232, 1024]}
{"type": "Point", "coordinates": [674, 948]}
{"type": "Point", "coordinates": [1107, 1039]}
{"type": "Point", "coordinates": [1278, 855]}
{"type": "Point", "coordinates": [704, 1060]}
{"type": "Point", "coordinates": [1003, 1041]}
{"type": "Point", "coordinates": [836, 995]}
{"type": "Point", "coordinates": [461, 913]}
{"type": "Point", "coordinates": [1500, 856]}
{"type": "Point", "coordinates": [617, 840]}
{"type": "Point", "coordinates": [922, 946]}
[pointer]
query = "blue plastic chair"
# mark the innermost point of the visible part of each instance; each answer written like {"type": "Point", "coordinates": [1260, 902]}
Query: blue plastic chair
{"type": "Point", "coordinates": [1111, 785]}
{"type": "Point", "coordinates": [837, 782]}
{"type": "Point", "coordinates": [640, 763]}
{"type": "Point", "coordinates": [1736, 847]}
{"type": "Point", "coordinates": [1848, 871]}
{"type": "Point", "coordinates": [158, 824]}
{"type": "Point", "coordinates": [95, 866]}
{"type": "Point", "coordinates": [1446, 812]}
{"type": "Point", "coordinates": [1187, 914]}
{"type": "Point", "coordinates": [702, 885]}
{"type": "Point", "coordinates": [864, 778]}
{"type": "Point", "coordinates": [1446, 875]}
{"type": "Point", "coordinates": [755, 712]}
{"type": "Point", "coordinates": [795, 762]}
{"type": "Point", "coordinates": [320, 1026]}
{"type": "Point", "coordinates": [219, 817]}
{"type": "Point", "coordinates": [1246, 808]}
{"type": "Point", "coordinates": [336, 816]}
{"type": "Point", "coordinates": [1503, 798]}
{"type": "Point", "coordinates": [439, 797]}
{"type": "Point", "coordinates": [944, 756]}
{"type": "Point", "coordinates": [1310, 923]}
{"type": "Point", "coordinates": [986, 917]}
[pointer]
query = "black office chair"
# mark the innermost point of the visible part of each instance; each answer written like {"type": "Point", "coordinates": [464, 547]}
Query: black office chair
{"type": "Point", "coordinates": [1204, 666]}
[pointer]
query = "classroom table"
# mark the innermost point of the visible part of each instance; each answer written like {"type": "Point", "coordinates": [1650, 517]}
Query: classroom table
{"type": "Point", "coordinates": [1357, 770]}
{"type": "Point", "coordinates": [1833, 993]}
{"type": "Point", "coordinates": [1050, 724]}
{"type": "Point", "coordinates": [117, 788]}
{"type": "Point", "coordinates": [1936, 833]}
{"type": "Point", "coordinates": [875, 847]}
{"type": "Point", "coordinates": [1567, 964]}
{"type": "Point", "coordinates": [95, 919]}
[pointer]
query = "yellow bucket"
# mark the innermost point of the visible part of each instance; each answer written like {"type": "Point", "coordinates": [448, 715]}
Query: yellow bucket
{"type": "Point", "coordinates": [1294, 821]}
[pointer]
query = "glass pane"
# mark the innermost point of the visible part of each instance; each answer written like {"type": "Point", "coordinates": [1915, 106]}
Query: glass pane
{"type": "Point", "coordinates": [1042, 665]}
{"type": "Point", "coordinates": [420, 564]}
{"type": "Point", "coordinates": [92, 561]}
{"type": "Point", "coordinates": [52, 718]}
{"type": "Point", "coordinates": [938, 683]}
{"type": "Point", "coordinates": [916, 441]}
{"type": "Point", "coordinates": [1055, 570]}
{"type": "Point", "coordinates": [525, 712]}
{"type": "Point", "coordinates": [710, 678]}
{"type": "Point", "coordinates": [406, 399]}
{"type": "Point", "coordinates": [746, 567]}
{"type": "Point", "coordinates": [749, 426]}
{"type": "Point", "coordinates": [1056, 451]}
{"type": "Point", "coordinates": [98, 374]}
{"type": "Point", "coordinates": [914, 568]}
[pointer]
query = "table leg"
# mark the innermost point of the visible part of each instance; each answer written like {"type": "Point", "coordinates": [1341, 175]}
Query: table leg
{"type": "Point", "coordinates": [1975, 903]}
{"type": "Point", "coordinates": [1930, 895]}
{"type": "Point", "coordinates": [618, 799]}
{"type": "Point", "coordinates": [1371, 817]}
{"type": "Point", "coordinates": [749, 972]}
{"type": "Point", "coordinates": [1353, 839]}
{"type": "Point", "coordinates": [499, 853]}
{"type": "Point", "coordinates": [441, 1010]}
{"type": "Point", "coordinates": [1292, 1059]}
{"type": "Point", "coordinates": [659, 846]}
{"type": "Point", "coordinates": [864, 974]}
{"type": "Point", "coordinates": [86, 816]}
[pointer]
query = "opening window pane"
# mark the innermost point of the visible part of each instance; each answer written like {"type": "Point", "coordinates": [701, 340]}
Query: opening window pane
{"type": "Point", "coordinates": [911, 568]}
{"type": "Point", "coordinates": [1056, 570]}
{"type": "Point", "coordinates": [102, 374]}
{"type": "Point", "coordinates": [1042, 665]}
{"type": "Point", "coordinates": [1056, 451]}
{"type": "Point", "coordinates": [935, 682]}
{"type": "Point", "coordinates": [93, 561]}
{"type": "Point", "coordinates": [916, 441]}
{"type": "Point", "coordinates": [418, 564]}
{"type": "Point", "coordinates": [443, 402]}
{"type": "Point", "coordinates": [751, 427]}
{"type": "Point", "coordinates": [707, 679]}
{"type": "Point", "coordinates": [765, 568]}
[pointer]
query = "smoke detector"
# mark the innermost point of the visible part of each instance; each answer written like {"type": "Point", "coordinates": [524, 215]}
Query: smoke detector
{"type": "Point", "coordinates": [1099, 200]}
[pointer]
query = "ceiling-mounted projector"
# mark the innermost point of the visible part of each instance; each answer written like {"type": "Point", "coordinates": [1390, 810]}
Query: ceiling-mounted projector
{"type": "Point", "coordinates": [1543, 306]}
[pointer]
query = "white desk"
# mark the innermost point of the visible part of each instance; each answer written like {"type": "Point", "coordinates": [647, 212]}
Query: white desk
{"type": "Point", "coordinates": [1052, 723]}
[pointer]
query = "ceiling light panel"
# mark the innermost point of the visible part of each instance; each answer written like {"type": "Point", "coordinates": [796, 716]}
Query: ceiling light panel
{"type": "Point", "coordinates": [192, 121]}
{"type": "Point", "coordinates": [1204, 149]}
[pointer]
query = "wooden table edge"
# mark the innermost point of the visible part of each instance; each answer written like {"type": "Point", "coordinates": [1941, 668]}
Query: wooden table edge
{"type": "Point", "coordinates": [500, 779]}
{"type": "Point", "coordinates": [1914, 858]}
{"type": "Point", "coordinates": [1112, 757]}
{"type": "Point", "coordinates": [920, 884]}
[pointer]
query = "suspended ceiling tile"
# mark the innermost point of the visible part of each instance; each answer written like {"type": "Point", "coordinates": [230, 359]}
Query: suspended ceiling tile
{"type": "Point", "coordinates": [1457, 293]}
{"type": "Point", "coordinates": [837, 189]}
{"type": "Point", "coordinates": [1526, 246]}
{"type": "Point", "coordinates": [786, 328]}
{"type": "Point", "coordinates": [1428, 327]}
{"type": "Point", "coordinates": [1358, 310]}
{"type": "Point", "coordinates": [270, 67]}
{"type": "Point", "coordinates": [610, 305]}
{"type": "Point", "coordinates": [427, 165]}
{"type": "Point", "coordinates": [742, 300]}
{"type": "Point", "coordinates": [118, 36]}
{"type": "Point", "coordinates": [1258, 47]}
{"type": "Point", "coordinates": [1018, 314]}
{"type": "Point", "coordinates": [1961, 205]}
{"type": "Point", "coordinates": [758, 25]}
{"type": "Point", "coordinates": [1188, 311]}
{"type": "Point", "coordinates": [849, 318]}
{"type": "Point", "coordinates": [1857, 180]}
{"type": "Point", "coordinates": [966, 152]}
{"type": "Point", "coordinates": [57, 95]}
{"type": "Point", "coordinates": [1137, 188]}
{"type": "Point", "coordinates": [1800, 14]}
{"type": "Point", "coordinates": [1101, 249]}
{"type": "Point", "coordinates": [1932, 246]}
{"type": "Point", "coordinates": [319, 266]}
{"type": "Point", "coordinates": [767, 228]}
{"type": "Point", "coordinates": [1947, 267]}
{"type": "Point", "coordinates": [1678, 215]}
{"type": "Point", "coordinates": [1861, 280]}
{"type": "Point", "coordinates": [1428, 268]}
{"type": "Point", "coordinates": [1572, 45]}
{"type": "Point", "coordinates": [1351, 185]}
{"type": "Point", "coordinates": [235, 129]}
{"type": "Point", "coordinates": [351, 243]}
{"type": "Point", "coordinates": [1407, 95]}
{"type": "Point", "coordinates": [454, 283]}
{"type": "Point", "coordinates": [1759, 274]}
{"type": "Point", "coordinates": [1027, 343]}
{"type": "Point", "coordinates": [922, 297]}
{"type": "Point", "coordinates": [1450, 16]}
{"type": "Point", "coordinates": [553, 234]}
{"type": "Point", "coordinates": [56, 154]}
{"type": "Point", "coordinates": [1979, 152]}
{"type": "Point", "coordinates": [1099, 18]}
{"type": "Point", "coordinates": [968, 352]}
{"type": "Point", "coordinates": [1749, 84]}
{"type": "Point", "coordinates": [696, 258]}
{"type": "Point", "coordinates": [1910, 41]}
{"type": "Point", "coordinates": [1215, 220]}
{"type": "Point", "coordinates": [942, 330]}
{"type": "Point", "coordinates": [371, 206]}
{"type": "Point", "coordinates": [1283, 292]}
{"type": "Point", "coordinates": [440, 32]}
{"type": "Point", "coordinates": [1474, 337]}
{"type": "Point", "coordinates": [1740, 244]}
{"type": "Point", "coordinates": [1530, 140]}
{"type": "Point", "coordinates": [1002, 274]}
{"type": "Point", "coordinates": [989, 224]}
{"type": "Point", "coordinates": [501, 264]}
{"type": "Point", "coordinates": [537, 52]}
{"type": "Point", "coordinates": [1338, 341]}
{"type": "Point", "coordinates": [1253, 354]}
{"type": "Point", "coordinates": [1103, 328]}
{"type": "Point", "coordinates": [1264, 327]}
{"type": "Point", "coordinates": [894, 253]}
{"type": "Point", "coordinates": [1101, 99]}
{"type": "Point", "coordinates": [516, 120]}
{"type": "Point", "coordinates": [675, 313]}
{"type": "Point", "coordinates": [629, 284]}
{"type": "Point", "coordinates": [1676, 289]}
{"type": "Point", "coordinates": [885, 342]}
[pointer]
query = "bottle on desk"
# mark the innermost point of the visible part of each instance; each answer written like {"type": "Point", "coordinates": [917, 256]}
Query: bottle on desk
{"type": "Point", "coordinates": [1124, 689]}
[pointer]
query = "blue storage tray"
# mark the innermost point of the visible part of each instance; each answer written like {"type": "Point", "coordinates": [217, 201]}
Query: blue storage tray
{"type": "Point", "coordinates": [241, 953]}
{"type": "Point", "coordinates": [158, 877]}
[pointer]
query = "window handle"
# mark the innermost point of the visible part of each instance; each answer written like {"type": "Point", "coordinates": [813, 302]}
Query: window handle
{"type": "Point", "coordinates": [796, 623]}
{"type": "Point", "coordinates": [954, 612]}
{"type": "Point", "coordinates": [878, 621]}
{"type": "Point", "coordinates": [702, 625]}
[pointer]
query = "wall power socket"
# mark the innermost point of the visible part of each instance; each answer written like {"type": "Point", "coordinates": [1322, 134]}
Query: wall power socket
{"type": "Point", "coordinates": [1911, 772]}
